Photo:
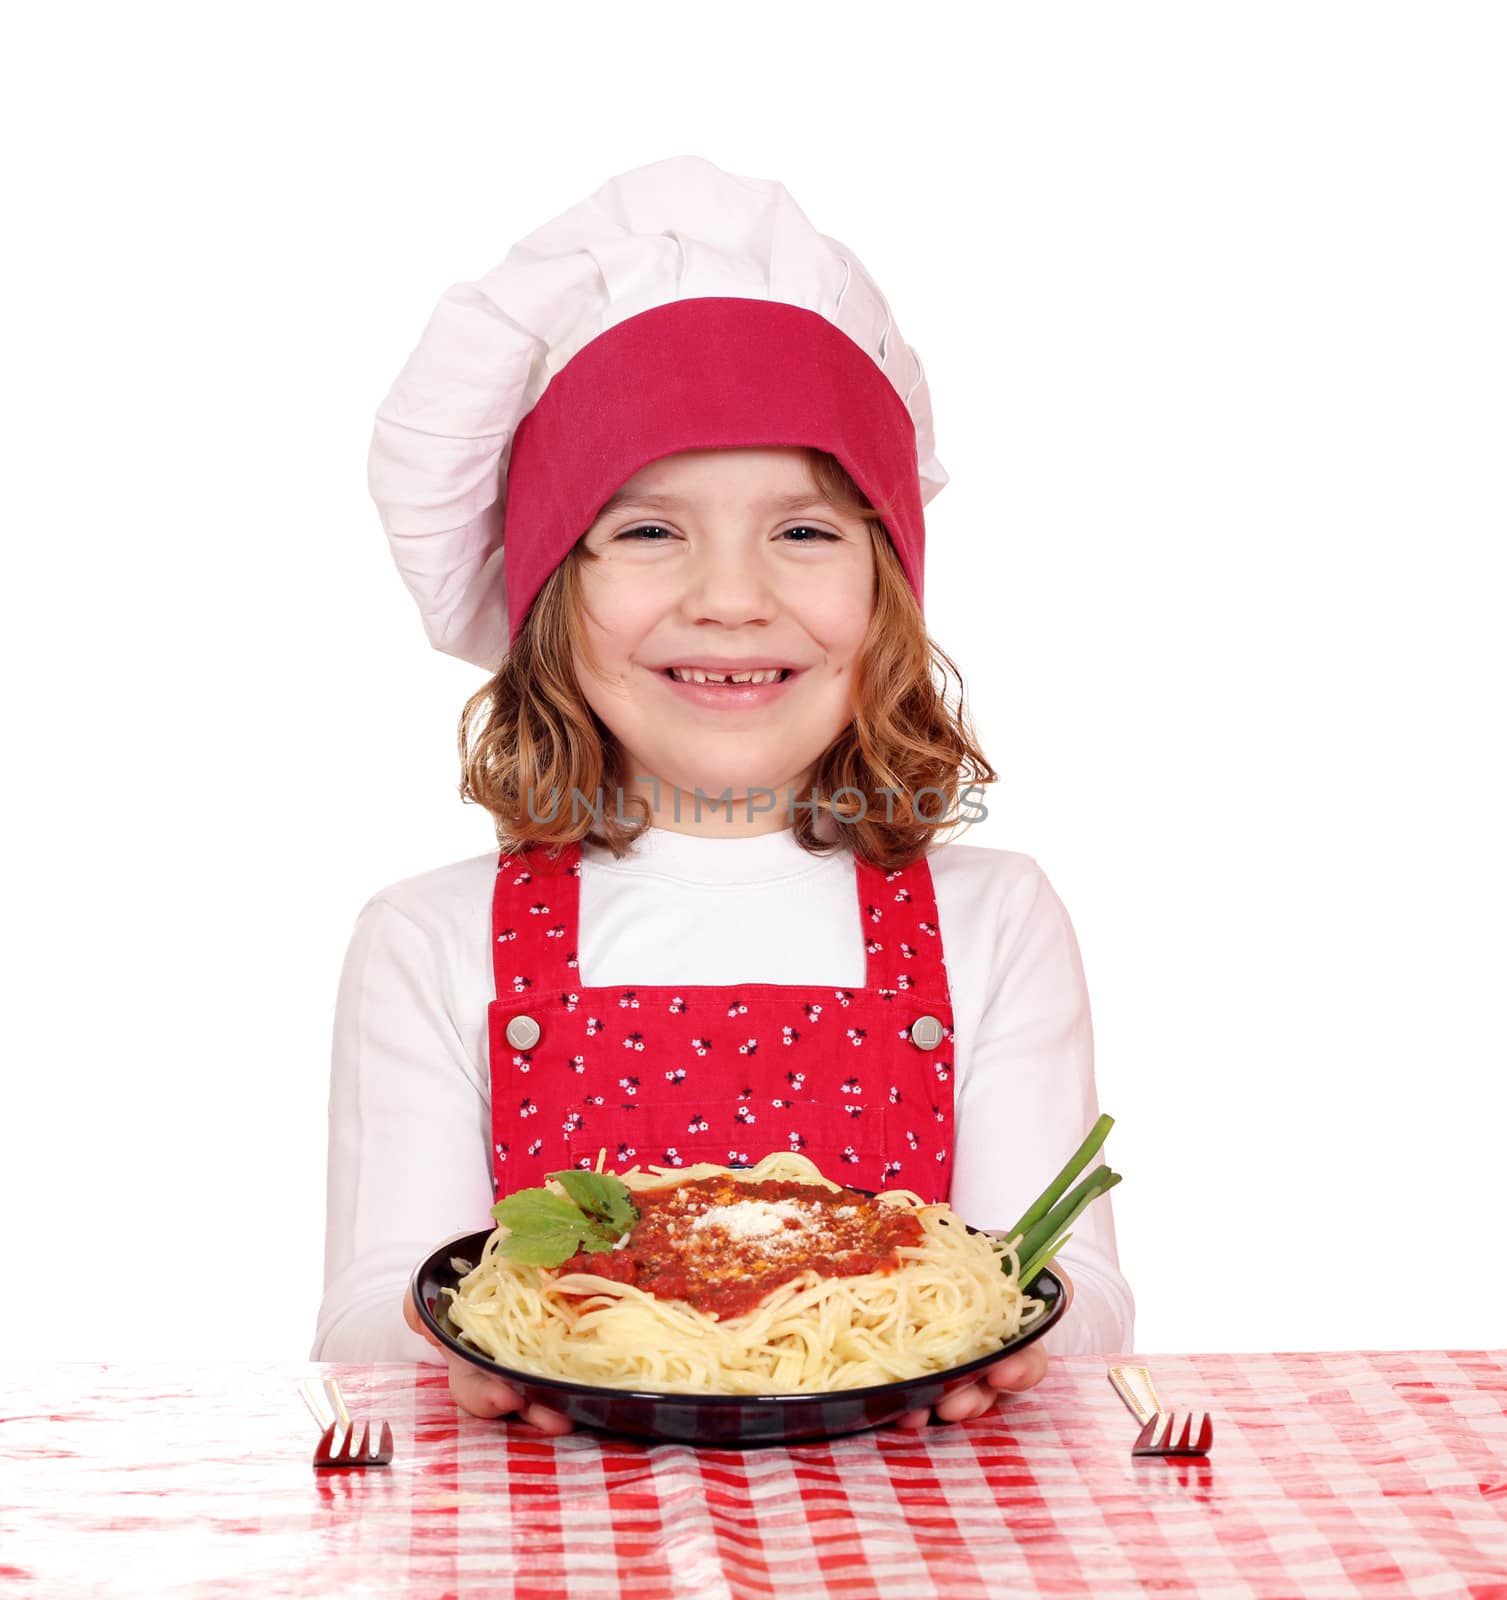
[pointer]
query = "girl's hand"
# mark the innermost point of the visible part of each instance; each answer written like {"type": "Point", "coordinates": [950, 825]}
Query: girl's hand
{"type": "Point", "coordinates": [482, 1395]}
{"type": "Point", "coordinates": [1024, 1370]}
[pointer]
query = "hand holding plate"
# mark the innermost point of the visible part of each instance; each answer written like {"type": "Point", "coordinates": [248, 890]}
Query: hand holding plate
{"type": "Point", "coordinates": [480, 1393]}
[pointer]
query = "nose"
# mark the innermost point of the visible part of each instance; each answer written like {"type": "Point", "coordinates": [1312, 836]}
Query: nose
{"type": "Point", "coordinates": [727, 583]}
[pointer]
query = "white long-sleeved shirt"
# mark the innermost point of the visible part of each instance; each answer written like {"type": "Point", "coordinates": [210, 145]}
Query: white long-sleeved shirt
{"type": "Point", "coordinates": [410, 1137]}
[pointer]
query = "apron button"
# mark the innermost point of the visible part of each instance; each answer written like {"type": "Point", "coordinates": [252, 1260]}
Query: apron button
{"type": "Point", "coordinates": [926, 1032]}
{"type": "Point", "coordinates": [522, 1033]}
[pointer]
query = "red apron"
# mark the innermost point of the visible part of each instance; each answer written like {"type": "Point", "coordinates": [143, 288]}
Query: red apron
{"type": "Point", "coordinates": [858, 1080]}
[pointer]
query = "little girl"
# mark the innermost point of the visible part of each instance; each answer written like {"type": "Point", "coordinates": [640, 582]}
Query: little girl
{"type": "Point", "coordinates": [661, 474]}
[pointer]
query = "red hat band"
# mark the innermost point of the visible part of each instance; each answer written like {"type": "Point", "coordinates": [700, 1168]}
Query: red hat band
{"type": "Point", "coordinates": [711, 372]}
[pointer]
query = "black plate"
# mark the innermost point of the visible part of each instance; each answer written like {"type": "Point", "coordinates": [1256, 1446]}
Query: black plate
{"type": "Point", "coordinates": [710, 1418]}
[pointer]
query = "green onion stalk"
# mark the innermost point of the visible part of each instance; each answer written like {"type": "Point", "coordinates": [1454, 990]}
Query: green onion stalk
{"type": "Point", "coordinates": [1042, 1231]}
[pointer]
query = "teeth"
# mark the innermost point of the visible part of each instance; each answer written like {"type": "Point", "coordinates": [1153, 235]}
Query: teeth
{"type": "Point", "coordinates": [696, 675]}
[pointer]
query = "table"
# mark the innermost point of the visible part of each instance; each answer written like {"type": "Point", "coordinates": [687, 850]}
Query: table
{"type": "Point", "coordinates": [1365, 1474]}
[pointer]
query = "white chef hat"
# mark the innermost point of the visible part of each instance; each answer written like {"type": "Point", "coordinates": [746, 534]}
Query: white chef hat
{"type": "Point", "coordinates": [677, 307]}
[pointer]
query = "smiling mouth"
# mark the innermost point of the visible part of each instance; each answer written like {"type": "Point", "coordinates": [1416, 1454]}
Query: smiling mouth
{"type": "Point", "coordinates": [740, 680]}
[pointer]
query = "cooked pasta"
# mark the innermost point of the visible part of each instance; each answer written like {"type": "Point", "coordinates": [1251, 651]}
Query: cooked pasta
{"type": "Point", "coordinates": [770, 1279]}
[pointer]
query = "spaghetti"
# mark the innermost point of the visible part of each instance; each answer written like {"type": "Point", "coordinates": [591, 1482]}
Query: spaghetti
{"type": "Point", "coordinates": [764, 1280]}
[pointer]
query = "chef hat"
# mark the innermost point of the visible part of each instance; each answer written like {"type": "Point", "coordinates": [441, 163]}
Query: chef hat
{"type": "Point", "coordinates": [678, 307]}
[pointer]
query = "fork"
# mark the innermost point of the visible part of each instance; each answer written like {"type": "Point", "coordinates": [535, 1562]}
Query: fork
{"type": "Point", "coordinates": [327, 1453]}
{"type": "Point", "coordinates": [1159, 1433]}
{"type": "Point", "coordinates": [325, 1399]}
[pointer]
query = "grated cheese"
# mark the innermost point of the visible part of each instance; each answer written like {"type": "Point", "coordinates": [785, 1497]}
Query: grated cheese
{"type": "Point", "coordinates": [753, 1219]}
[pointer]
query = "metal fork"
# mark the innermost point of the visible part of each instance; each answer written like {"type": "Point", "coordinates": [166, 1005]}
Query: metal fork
{"type": "Point", "coordinates": [1159, 1434]}
{"type": "Point", "coordinates": [327, 1404]}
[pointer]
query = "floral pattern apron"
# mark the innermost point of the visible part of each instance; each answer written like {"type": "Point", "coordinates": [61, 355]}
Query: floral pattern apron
{"type": "Point", "coordinates": [666, 1075]}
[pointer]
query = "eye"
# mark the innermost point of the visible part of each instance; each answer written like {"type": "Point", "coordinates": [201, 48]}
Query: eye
{"type": "Point", "coordinates": [821, 533]}
{"type": "Point", "coordinates": [638, 533]}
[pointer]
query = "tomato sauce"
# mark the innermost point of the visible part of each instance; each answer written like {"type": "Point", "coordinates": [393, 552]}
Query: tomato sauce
{"type": "Point", "coordinates": [721, 1244]}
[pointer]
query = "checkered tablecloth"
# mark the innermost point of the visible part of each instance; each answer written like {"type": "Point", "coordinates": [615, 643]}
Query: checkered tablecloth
{"type": "Point", "coordinates": [1366, 1475]}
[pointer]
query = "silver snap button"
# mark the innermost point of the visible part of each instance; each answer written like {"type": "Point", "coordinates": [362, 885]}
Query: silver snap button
{"type": "Point", "coordinates": [522, 1033]}
{"type": "Point", "coordinates": [927, 1032]}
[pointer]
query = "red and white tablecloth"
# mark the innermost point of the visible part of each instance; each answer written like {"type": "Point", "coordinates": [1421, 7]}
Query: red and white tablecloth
{"type": "Point", "coordinates": [1365, 1475]}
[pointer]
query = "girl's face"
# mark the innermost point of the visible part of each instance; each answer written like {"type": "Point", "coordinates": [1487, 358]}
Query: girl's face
{"type": "Point", "coordinates": [724, 560]}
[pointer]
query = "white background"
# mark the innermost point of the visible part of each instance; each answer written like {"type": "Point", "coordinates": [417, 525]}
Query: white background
{"type": "Point", "coordinates": [1211, 303]}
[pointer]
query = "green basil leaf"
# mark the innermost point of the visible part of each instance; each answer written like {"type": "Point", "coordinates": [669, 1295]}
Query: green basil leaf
{"type": "Point", "coordinates": [534, 1208]}
{"type": "Point", "coordinates": [602, 1195]}
{"type": "Point", "coordinates": [541, 1246]}
{"type": "Point", "coordinates": [545, 1229]}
